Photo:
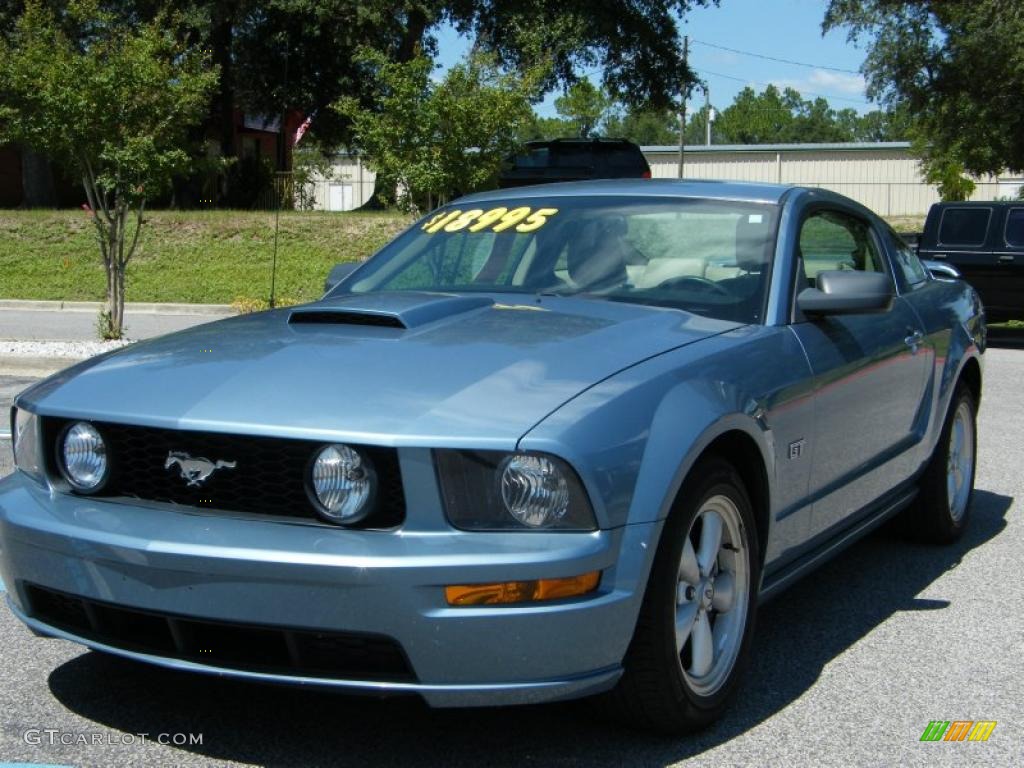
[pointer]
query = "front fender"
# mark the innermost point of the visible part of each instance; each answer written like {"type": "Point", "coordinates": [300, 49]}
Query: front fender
{"type": "Point", "coordinates": [635, 436]}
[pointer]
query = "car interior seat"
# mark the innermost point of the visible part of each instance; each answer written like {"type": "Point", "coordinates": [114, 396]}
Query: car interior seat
{"type": "Point", "coordinates": [752, 237]}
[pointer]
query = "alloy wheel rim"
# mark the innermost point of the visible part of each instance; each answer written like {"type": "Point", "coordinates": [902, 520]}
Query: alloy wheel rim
{"type": "Point", "coordinates": [712, 593]}
{"type": "Point", "coordinates": [960, 462]}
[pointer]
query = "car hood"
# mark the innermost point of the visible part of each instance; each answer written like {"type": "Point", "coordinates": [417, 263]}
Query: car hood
{"type": "Point", "coordinates": [393, 369]}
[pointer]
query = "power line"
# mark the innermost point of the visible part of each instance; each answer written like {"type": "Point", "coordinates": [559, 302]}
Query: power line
{"type": "Point", "coordinates": [802, 93]}
{"type": "Point", "coordinates": [776, 59]}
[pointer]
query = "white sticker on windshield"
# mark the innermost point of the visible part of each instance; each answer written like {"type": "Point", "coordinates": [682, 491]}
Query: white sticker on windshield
{"type": "Point", "coordinates": [754, 218]}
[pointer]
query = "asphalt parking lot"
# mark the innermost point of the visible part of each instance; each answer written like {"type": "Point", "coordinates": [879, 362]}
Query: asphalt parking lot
{"type": "Point", "coordinates": [849, 667]}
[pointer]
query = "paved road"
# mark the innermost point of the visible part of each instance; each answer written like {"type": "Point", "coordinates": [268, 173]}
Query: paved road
{"type": "Point", "coordinates": [66, 325]}
{"type": "Point", "coordinates": [849, 666]}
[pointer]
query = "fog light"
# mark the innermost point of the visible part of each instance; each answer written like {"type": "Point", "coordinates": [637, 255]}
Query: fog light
{"type": "Point", "coordinates": [84, 457]}
{"type": "Point", "coordinates": [342, 483]}
{"type": "Point", "coordinates": [522, 591]}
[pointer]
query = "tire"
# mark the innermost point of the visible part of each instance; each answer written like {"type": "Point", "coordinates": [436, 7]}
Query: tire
{"type": "Point", "coordinates": [671, 690]}
{"type": "Point", "coordinates": [942, 509]}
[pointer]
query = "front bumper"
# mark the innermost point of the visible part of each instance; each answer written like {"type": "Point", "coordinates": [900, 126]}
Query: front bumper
{"type": "Point", "coordinates": [248, 571]}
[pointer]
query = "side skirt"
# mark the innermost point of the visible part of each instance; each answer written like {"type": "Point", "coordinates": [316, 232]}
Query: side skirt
{"type": "Point", "coordinates": [792, 572]}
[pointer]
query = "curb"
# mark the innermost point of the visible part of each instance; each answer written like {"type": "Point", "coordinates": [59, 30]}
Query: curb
{"type": "Point", "coordinates": [36, 367]}
{"type": "Point", "coordinates": [155, 308]}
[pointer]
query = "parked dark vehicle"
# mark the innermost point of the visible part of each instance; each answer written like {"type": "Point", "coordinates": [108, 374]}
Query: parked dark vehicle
{"type": "Point", "coordinates": [574, 160]}
{"type": "Point", "coordinates": [985, 242]}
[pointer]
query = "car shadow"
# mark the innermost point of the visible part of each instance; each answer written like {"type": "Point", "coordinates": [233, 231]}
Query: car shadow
{"type": "Point", "coordinates": [797, 636]}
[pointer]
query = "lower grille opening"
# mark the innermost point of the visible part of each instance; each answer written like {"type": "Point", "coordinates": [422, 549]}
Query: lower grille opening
{"type": "Point", "coordinates": [297, 652]}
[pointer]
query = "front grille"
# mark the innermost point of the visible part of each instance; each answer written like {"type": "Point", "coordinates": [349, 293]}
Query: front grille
{"type": "Point", "coordinates": [294, 652]}
{"type": "Point", "coordinates": [269, 476]}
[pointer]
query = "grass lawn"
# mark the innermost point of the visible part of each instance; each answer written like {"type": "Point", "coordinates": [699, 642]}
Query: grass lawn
{"type": "Point", "coordinates": [906, 223]}
{"type": "Point", "coordinates": [187, 256]}
{"type": "Point", "coordinates": [217, 257]}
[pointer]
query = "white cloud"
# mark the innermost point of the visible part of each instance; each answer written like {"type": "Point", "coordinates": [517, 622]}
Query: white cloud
{"type": "Point", "coordinates": [820, 82]}
{"type": "Point", "coordinates": [837, 82]}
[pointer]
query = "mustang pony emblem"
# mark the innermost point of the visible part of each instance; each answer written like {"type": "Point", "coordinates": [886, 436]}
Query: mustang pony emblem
{"type": "Point", "coordinates": [196, 470]}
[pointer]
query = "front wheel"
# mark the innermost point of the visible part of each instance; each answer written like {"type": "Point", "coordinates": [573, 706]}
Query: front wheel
{"type": "Point", "coordinates": [697, 618]}
{"type": "Point", "coordinates": [944, 500]}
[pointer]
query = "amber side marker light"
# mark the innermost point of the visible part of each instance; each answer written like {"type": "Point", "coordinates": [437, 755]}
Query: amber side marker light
{"type": "Point", "coordinates": [522, 591]}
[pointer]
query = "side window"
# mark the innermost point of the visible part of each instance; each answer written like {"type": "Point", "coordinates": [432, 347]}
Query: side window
{"type": "Point", "coordinates": [831, 240]}
{"type": "Point", "coordinates": [914, 272]}
{"type": "Point", "coordinates": [1015, 228]}
{"type": "Point", "coordinates": [964, 226]}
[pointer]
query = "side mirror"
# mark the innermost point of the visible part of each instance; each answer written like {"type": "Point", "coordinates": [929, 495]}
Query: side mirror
{"type": "Point", "coordinates": [847, 292]}
{"type": "Point", "coordinates": [339, 272]}
{"type": "Point", "coordinates": [942, 270]}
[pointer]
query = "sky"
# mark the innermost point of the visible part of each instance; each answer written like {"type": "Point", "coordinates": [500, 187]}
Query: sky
{"type": "Point", "coordinates": [781, 29]}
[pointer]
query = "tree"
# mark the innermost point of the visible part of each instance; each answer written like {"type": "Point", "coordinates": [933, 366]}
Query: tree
{"type": "Point", "coordinates": [957, 66]}
{"type": "Point", "coordinates": [436, 139]}
{"type": "Point", "coordinates": [881, 125]}
{"type": "Point", "coordinates": [758, 118]}
{"type": "Point", "coordinates": [546, 128]}
{"type": "Point", "coordinates": [583, 106]}
{"type": "Point", "coordinates": [280, 56]}
{"type": "Point", "coordinates": [948, 175]}
{"type": "Point", "coordinates": [301, 54]}
{"type": "Point", "coordinates": [114, 103]}
{"type": "Point", "coordinates": [646, 127]}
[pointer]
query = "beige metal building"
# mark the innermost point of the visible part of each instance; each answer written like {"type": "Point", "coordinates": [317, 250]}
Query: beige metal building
{"type": "Point", "coordinates": [348, 185]}
{"type": "Point", "coordinates": [883, 176]}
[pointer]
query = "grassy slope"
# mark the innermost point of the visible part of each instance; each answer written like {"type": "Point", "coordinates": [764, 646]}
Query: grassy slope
{"type": "Point", "coordinates": [193, 256]}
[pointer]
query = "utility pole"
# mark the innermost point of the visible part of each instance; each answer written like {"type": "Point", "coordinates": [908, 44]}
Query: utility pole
{"type": "Point", "coordinates": [682, 107]}
{"type": "Point", "coordinates": [707, 112]}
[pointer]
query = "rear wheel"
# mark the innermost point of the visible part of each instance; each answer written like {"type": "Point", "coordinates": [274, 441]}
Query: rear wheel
{"type": "Point", "coordinates": [942, 509]}
{"type": "Point", "coordinates": [697, 619]}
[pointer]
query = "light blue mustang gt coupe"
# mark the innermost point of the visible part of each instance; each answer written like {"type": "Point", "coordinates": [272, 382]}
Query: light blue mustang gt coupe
{"type": "Point", "coordinates": [549, 442]}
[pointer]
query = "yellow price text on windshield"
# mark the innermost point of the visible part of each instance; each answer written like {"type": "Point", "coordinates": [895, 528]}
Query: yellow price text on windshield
{"type": "Point", "coordinates": [521, 219]}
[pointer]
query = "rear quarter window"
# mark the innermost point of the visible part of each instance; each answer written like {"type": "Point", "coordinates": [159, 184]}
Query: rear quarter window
{"type": "Point", "coordinates": [1015, 228]}
{"type": "Point", "coordinates": [964, 226]}
{"type": "Point", "coordinates": [625, 158]}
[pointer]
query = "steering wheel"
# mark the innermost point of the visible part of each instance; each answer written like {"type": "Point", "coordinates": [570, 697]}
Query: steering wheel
{"type": "Point", "coordinates": [702, 283]}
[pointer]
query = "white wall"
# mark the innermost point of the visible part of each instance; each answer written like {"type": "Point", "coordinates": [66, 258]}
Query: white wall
{"type": "Point", "coordinates": [348, 186]}
{"type": "Point", "coordinates": [885, 178]}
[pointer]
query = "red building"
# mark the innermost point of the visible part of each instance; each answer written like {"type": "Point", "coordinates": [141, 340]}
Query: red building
{"type": "Point", "coordinates": [32, 182]}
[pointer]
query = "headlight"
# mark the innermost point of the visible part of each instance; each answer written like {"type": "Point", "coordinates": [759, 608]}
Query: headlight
{"type": "Point", "coordinates": [25, 442]}
{"type": "Point", "coordinates": [83, 457]}
{"type": "Point", "coordinates": [342, 483]}
{"type": "Point", "coordinates": [495, 491]}
{"type": "Point", "coordinates": [534, 490]}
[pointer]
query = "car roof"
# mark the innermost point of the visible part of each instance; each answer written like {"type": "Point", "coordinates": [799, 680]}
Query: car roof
{"type": "Point", "coordinates": [977, 203]}
{"type": "Point", "coordinates": [570, 141]}
{"type": "Point", "coordinates": [694, 188]}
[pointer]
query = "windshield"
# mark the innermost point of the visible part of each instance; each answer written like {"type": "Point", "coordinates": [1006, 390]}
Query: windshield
{"type": "Point", "coordinates": [709, 257]}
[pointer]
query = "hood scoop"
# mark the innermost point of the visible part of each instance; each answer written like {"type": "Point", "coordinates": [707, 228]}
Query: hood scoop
{"type": "Point", "coordinates": [343, 317]}
{"type": "Point", "coordinates": [387, 310]}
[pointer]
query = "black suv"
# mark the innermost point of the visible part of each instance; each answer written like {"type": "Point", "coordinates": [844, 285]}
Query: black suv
{"type": "Point", "coordinates": [985, 241]}
{"type": "Point", "coordinates": [574, 160]}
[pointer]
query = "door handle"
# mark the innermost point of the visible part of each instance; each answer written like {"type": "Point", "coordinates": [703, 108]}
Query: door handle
{"type": "Point", "coordinates": [1006, 257]}
{"type": "Point", "coordinates": [914, 339]}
